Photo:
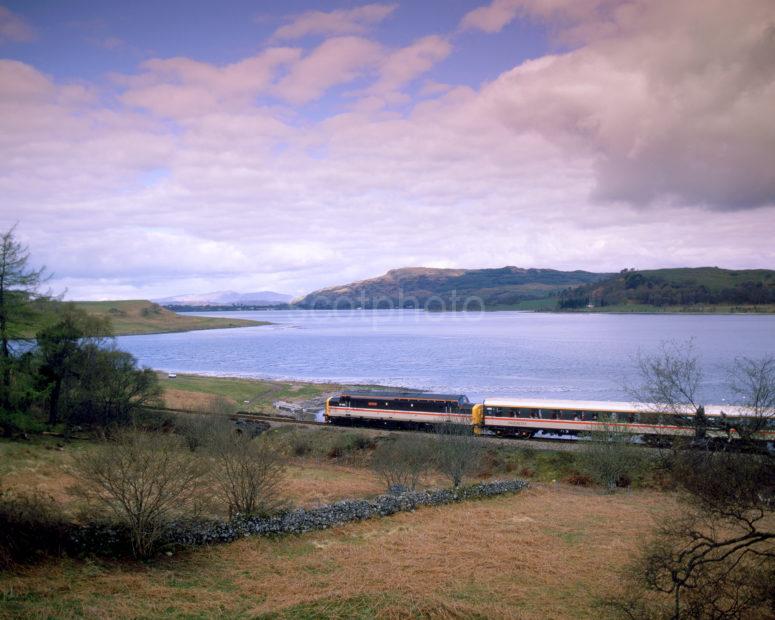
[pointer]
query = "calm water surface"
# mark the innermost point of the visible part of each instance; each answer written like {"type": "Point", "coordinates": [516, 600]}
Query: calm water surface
{"type": "Point", "coordinates": [583, 356]}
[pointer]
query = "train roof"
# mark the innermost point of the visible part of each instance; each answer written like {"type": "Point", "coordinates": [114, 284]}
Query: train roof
{"type": "Point", "coordinates": [406, 395]}
{"type": "Point", "coordinates": [603, 405]}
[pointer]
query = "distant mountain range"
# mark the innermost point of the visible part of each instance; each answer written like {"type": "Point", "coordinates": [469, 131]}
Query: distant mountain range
{"type": "Point", "coordinates": [226, 298]}
{"type": "Point", "coordinates": [450, 289]}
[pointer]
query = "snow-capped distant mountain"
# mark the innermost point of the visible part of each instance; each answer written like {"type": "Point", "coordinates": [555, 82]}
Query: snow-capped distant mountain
{"type": "Point", "coordinates": [227, 298]}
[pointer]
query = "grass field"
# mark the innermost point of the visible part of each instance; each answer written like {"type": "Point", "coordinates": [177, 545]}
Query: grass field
{"type": "Point", "coordinates": [550, 552]}
{"type": "Point", "coordinates": [195, 392]}
{"type": "Point", "coordinates": [131, 317]}
{"type": "Point", "coordinates": [553, 551]}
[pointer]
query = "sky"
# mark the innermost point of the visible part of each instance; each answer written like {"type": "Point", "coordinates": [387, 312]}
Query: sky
{"type": "Point", "coordinates": [158, 148]}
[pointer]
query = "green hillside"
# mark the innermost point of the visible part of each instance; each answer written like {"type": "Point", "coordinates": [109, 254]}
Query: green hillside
{"type": "Point", "coordinates": [449, 289]}
{"type": "Point", "coordinates": [687, 288]}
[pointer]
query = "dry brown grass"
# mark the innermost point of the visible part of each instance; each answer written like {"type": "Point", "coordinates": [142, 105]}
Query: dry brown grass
{"type": "Point", "coordinates": [194, 401]}
{"type": "Point", "coordinates": [45, 467]}
{"type": "Point", "coordinates": [310, 484]}
{"type": "Point", "coordinates": [550, 552]}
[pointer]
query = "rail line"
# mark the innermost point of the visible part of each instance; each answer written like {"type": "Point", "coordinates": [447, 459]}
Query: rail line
{"type": "Point", "coordinates": [557, 445]}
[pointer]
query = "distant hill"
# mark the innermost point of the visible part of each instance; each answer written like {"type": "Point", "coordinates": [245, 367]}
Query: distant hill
{"type": "Point", "coordinates": [437, 289]}
{"type": "Point", "coordinates": [685, 287]}
{"type": "Point", "coordinates": [226, 298]}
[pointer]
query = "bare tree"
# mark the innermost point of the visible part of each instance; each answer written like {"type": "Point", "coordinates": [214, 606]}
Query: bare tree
{"type": "Point", "coordinates": [458, 452]}
{"type": "Point", "coordinates": [752, 382]}
{"type": "Point", "coordinates": [401, 461]}
{"type": "Point", "coordinates": [143, 479]}
{"type": "Point", "coordinates": [248, 473]}
{"type": "Point", "coordinates": [717, 558]}
{"type": "Point", "coordinates": [670, 384]}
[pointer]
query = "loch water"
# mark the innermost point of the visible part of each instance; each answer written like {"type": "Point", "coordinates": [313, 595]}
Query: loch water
{"type": "Point", "coordinates": [521, 354]}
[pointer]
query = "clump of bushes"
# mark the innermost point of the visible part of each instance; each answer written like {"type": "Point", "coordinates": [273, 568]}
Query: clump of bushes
{"type": "Point", "coordinates": [401, 461]}
{"type": "Point", "coordinates": [300, 444]}
{"type": "Point", "coordinates": [197, 430]}
{"type": "Point", "coordinates": [610, 458]}
{"type": "Point", "coordinates": [495, 461]}
{"type": "Point", "coordinates": [143, 480]}
{"type": "Point", "coordinates": [347, 444]}
{"type": "Point", "coordinates": [325, 443]}
{"type": "Point", "coordinates": [247, 474]}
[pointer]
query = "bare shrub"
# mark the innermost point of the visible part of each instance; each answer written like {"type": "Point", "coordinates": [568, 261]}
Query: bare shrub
{"type": "Point", "coordinates": [609, 457]}
{"type": "Point", "coordinates": [248, 473]}
{"type": "Point", "coordinates": [401, 461]}
{"type": "Point", "coordinates": [143, 479]}
{"type": "Point", "coordinates": [458, 453]}
{"type": "Point", "coordinates": [31, 524]}
{"type": "Point", "coordinates": [198, 430]}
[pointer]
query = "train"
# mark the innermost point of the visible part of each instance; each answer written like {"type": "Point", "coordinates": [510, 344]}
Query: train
{"type": "Point", "coordinates": [527, 418]}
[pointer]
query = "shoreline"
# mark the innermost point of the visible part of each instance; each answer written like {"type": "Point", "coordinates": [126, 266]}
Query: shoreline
{"type": "Point", "coordinates": [743, 311]}
{"type": "Point", "coordinates": [183, 330]}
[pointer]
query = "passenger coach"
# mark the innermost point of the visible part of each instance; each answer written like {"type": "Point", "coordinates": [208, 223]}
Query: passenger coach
{"type": "Point", "coordinates": [525, 418]}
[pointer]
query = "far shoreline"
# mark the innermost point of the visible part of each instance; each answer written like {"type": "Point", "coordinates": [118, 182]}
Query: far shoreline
{"type": "Point", "coordinates": [672, 310]}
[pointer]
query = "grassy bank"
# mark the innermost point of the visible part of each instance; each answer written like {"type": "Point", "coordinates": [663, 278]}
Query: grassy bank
{"type": "Point", "coordinates": [130, 317]}
{"type": "Point", "coordinates": [202, 393]}
{"type": "Point", "coordinates": [134, 317]}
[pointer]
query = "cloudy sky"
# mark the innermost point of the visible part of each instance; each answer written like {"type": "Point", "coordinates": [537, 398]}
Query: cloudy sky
{"type": "Point", "coordinates": [184, 146]}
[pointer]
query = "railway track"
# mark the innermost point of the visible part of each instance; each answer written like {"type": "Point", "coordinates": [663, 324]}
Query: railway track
{"type": "Point", "coordinates": [557, 445]}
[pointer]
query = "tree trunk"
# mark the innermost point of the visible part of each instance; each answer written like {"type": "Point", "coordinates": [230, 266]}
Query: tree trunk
{"type": "Point", "coordinates": [53, 404]}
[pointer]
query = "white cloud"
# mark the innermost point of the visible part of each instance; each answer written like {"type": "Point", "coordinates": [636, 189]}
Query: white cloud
{"type": "Point", "coordinates": [181, 87]}
{"type": "Point", "coordinates": [335, 61]}
{"type": "Point", "coordinates": [190, 176]}
{"type": "Point", "coordinates": [357, 20]}
{"type": "Point", "coordinates": [404, 65]}
{"type": "Point", "coordinates": [672, 100]}
{"type": "Point", "coordinates": [492, 17]}
{"type": "Point", "coordinates": [14, 28]}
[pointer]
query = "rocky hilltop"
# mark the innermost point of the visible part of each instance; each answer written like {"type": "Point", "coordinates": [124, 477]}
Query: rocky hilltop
{"type": "Point", "coordinates": [449, 289]}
